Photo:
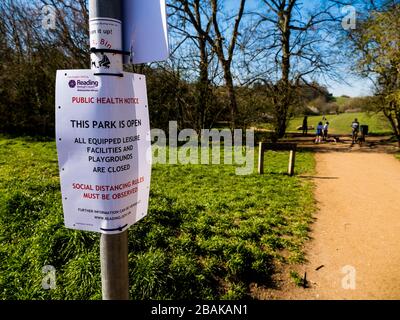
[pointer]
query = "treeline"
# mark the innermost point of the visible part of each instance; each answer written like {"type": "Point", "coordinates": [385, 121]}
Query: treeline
{"type": "Point", "coordinates": [29, 58]}
{"type": "Point", "coordinates": [232, 65]}
{"type": "Point", "coordinates": [374, 46]}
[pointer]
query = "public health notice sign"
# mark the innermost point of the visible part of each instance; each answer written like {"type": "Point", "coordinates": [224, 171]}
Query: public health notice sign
{"type": "Point", "coordinates": [103, 143]}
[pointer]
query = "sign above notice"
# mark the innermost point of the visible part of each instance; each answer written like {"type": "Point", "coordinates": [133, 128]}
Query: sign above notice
{"type": "Point", "coordinates": [105, 33]}
{"type": "Point", "coordinates": [145, 31]}
{"type": "Point", "coordinates": [103, 142]}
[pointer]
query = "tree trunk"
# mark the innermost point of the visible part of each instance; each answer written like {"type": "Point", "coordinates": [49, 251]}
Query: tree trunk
{"type": "Point", "coordinates": [398, 126]}
{"type": "Point", "coordinates": [203, 85]}
{"type": "Point", "coordinates": [281, 123]}
{"type": "Point", "coordinates": [286, 52]}
{"type": "Point", "coordinates": [284, 104]}
{"type": "Point", "coordinates": [282, 126]}
{"type": "Point", "coordinates": [387, 111]}
{"type": "Point", "coordinates": [231, 94]}
{"type": "Point", "coordinates": [203, 81]}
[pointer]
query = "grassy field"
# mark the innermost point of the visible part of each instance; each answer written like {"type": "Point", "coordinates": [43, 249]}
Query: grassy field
{"type": "Point", "coordinates": [209, 233]}
{"type": "Point", "coordinates": [342, 100]}
{"type": "Point", "coordinates": [340, 124]}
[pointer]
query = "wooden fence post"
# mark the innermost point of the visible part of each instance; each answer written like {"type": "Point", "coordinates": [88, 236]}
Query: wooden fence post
{"type": "Point", "coordinates": [261, 158]}
{"type": "Point", "coordinates": [292, 160]}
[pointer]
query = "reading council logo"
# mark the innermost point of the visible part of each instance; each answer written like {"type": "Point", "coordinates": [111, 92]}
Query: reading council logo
{"type": "Point", "coordinates": [72, 84]}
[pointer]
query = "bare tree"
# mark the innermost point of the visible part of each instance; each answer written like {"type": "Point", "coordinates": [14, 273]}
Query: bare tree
{"type": "Point", "coordinates": [33, 54]}
{"type": "Point", "coordinates": [374, 46]}
{"type": "Point", "coordinates": [296, 44]}
{"type": "Point", "coordinates": [71, 33]}
{"type": "Point", "coordinates": [180, 27]}
{"type": "Point", "coordinates": [222, 44]}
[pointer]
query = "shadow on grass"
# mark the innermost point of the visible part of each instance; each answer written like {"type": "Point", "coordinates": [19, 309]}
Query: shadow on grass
{"type": "Point", "coordinates": [172, 256]}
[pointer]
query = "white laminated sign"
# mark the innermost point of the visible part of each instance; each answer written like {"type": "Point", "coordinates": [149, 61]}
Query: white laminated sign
{"type": "Point", "coordinates": [145, 31]}
{"type": "Point", "coordinates": [104, 149]}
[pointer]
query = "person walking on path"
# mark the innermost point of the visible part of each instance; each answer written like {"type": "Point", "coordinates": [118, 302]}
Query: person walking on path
{"type": "Point", "coordinates": [355, 127]}
{"type": "Point", "coordinates": [305, 126]}
{"type": "Point", "coordinates": [320, 129]}
{"type": "Point", "coordinates": [325, 131]}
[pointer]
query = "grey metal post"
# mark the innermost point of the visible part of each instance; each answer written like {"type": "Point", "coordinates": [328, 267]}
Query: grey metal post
{"type": "Point", "coordinates": [113, 247]}
{"type": "Point", "coordinates": [105, 9]}
{"type": "Point", "coordinates": [109, 11]}
{"type": "Point", "coordinates": [114, 266]}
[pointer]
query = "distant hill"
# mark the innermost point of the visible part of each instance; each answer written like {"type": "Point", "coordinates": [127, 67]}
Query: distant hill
{"type": "Point", "coordinates": [343, 100]}
{"type": "Point", "coordinates": [356, 104]}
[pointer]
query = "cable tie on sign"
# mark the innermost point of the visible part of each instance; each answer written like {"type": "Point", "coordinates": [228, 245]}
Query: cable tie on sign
{"type": "Point", "coordinates": [96, 50]}
{"type": "Point", "coordinates": [110, 74]}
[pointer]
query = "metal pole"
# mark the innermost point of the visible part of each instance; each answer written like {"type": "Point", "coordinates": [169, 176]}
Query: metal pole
{"type": "Point", "coordinates": [105, 33]}
{"type": "Point", "coordinates": [105, 27]}
{"type": "Point", "coordinates": [114, 266]}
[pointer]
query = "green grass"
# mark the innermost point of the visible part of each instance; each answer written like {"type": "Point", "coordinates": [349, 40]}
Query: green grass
{"type": "Point", "coordinates": [340, 124]}
{"type": "Point", "coordinates": [341, 101]}
{"type": "Point", "coordinates": [209, 233]}
{"type": "Point", "coordinates": [296, 278]}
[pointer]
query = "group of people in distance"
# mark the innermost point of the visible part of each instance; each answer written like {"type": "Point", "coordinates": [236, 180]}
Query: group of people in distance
{"type": "Point", "coordinates": [322, 132]}
{"type": "Point", "coordinates": [323, 128]}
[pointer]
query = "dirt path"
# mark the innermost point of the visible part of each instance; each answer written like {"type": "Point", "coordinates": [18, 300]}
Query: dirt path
{"type": "Point", "coordinates": [357, 228]}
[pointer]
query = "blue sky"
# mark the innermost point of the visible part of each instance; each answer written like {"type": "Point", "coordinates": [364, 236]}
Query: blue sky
{"type": "Point", "coordinates": [359, 87]}
{"type": "Point", "coordinates": [355, 86]}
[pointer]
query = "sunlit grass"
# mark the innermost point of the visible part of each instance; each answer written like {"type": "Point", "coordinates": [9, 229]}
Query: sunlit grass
{"type": "Point", "coordinates": [341, 124]}
{"type": "Point", "coordinates": [209, 232]}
